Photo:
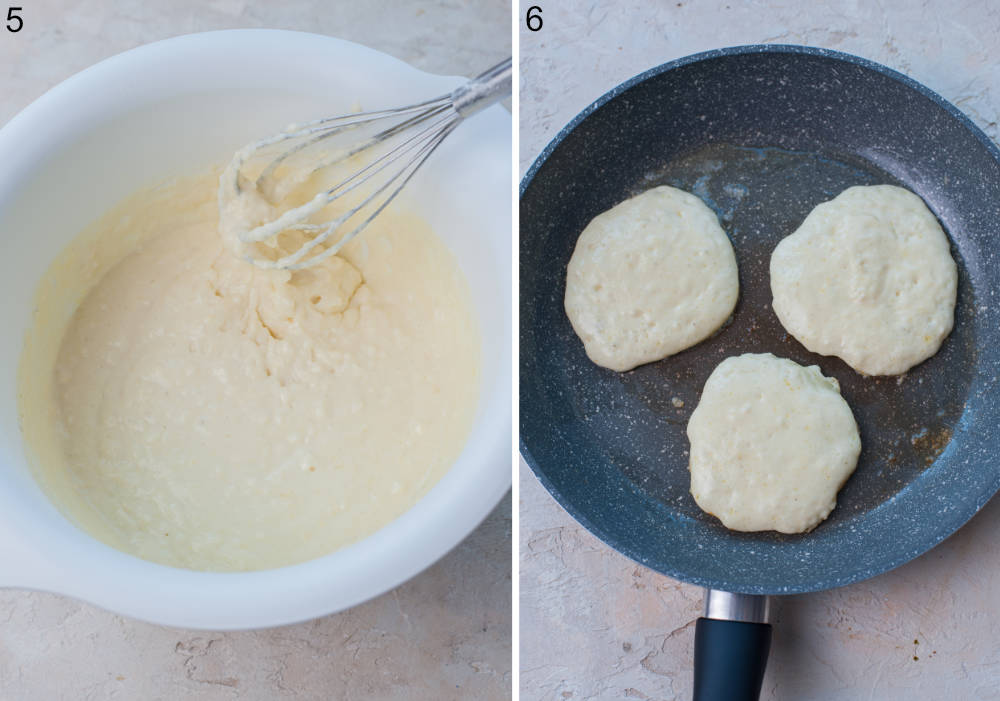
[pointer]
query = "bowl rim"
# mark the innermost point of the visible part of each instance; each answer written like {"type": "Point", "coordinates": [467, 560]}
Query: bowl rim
{"type": "Point", "coordinates": [54, 555]}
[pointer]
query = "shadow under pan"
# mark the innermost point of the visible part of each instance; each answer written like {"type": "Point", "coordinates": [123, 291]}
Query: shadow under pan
{"type": "Point", "coordinates": [762, 135]}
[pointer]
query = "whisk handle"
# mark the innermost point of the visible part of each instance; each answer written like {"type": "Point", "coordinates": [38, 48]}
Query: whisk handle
{"type": "Point", "coordinates": [482, 91]}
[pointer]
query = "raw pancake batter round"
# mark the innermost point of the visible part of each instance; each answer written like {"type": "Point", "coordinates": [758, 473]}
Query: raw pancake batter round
{"type": "Point", "coordinates": [650, 277]}
{"type": "Point", "coordinates": [772, 442]}
{"type": "Point", "coordinates": [868, 277]}
{"type": "Point", "coordinates": [204, 413]}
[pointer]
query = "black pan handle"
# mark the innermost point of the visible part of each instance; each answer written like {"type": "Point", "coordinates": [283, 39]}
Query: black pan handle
{"type": "Point", "coordinates": [731, 643]}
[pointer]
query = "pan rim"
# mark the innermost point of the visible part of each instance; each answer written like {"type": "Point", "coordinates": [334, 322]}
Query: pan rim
{"type": "Point", "coordinates": [952, 520]}
{"type": "Point", "coordinates": [743, 50]}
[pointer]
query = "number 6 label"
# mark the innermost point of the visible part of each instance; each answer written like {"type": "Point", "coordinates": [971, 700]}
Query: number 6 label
{"type": "Point", "coordinates": [534, 18]}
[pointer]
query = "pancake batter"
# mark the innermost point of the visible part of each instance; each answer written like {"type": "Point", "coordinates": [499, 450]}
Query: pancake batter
{"type": "Point", "coordinates": [772, 442]}
{"type": "Point", "coordinates": [650, 277]}
{"type": "Point", "coordinates": [204, 413]}
{"type": "Point", "coordinates": [868, 277]}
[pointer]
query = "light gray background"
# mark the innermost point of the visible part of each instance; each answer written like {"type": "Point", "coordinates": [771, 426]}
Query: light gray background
{"type": "Point", "coordinates": [594, 624]}
{"type": "Point", "coordinates": [443, 635]}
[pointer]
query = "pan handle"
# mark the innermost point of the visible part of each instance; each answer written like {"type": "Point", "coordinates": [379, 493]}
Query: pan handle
{"type": "Point", "coordinates": [731, 644]}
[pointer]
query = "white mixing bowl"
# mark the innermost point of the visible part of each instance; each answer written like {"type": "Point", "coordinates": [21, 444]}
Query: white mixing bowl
{"type": "Point", "coordinates": [172, 108]}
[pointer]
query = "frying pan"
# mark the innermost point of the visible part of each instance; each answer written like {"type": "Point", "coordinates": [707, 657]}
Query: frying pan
{"type": "Point", "coordinates": [762, 134]}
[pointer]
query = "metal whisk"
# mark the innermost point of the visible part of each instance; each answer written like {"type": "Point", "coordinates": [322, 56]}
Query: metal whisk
{"type": "Point", "coordinates": [389, 147]}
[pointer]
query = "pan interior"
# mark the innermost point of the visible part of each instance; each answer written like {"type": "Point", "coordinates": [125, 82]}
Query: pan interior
{"type": "Point", "coordinates": [760, 196]}
{"type": "Point", "coordinates": [762, 138]}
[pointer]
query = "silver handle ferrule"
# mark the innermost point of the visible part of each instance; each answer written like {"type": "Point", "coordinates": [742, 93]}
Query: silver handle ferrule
{"type": "Point", "coordinates": [484, 90]}
{"type": "Point", "coordinates": [727, 606]}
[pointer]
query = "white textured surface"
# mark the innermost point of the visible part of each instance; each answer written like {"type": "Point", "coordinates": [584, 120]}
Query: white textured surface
{"type": "Point", "coordinates": [443, 635]}
{"type": "Point", "coordinates": [596, 625]}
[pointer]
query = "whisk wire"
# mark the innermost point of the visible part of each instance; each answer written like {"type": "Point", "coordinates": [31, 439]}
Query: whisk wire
{"type": "Point", "coordinates": [394, 153]}
{"type": "Point", "coordinates": [322, 129]}
{"type": "Point", "coordinates": [419, 147]}
{"type": "Point", "coordinates": [334, 249]}
{"type": "Point", "coordinates": [372, 168]}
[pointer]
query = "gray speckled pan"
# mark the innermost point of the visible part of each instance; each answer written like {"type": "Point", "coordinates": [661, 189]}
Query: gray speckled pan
{"type": "Point", "coordinates": [762, 134]}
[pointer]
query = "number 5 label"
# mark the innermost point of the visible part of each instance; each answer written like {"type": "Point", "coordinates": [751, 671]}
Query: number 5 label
{"type": "Point", "coordinates": [14, 21]}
